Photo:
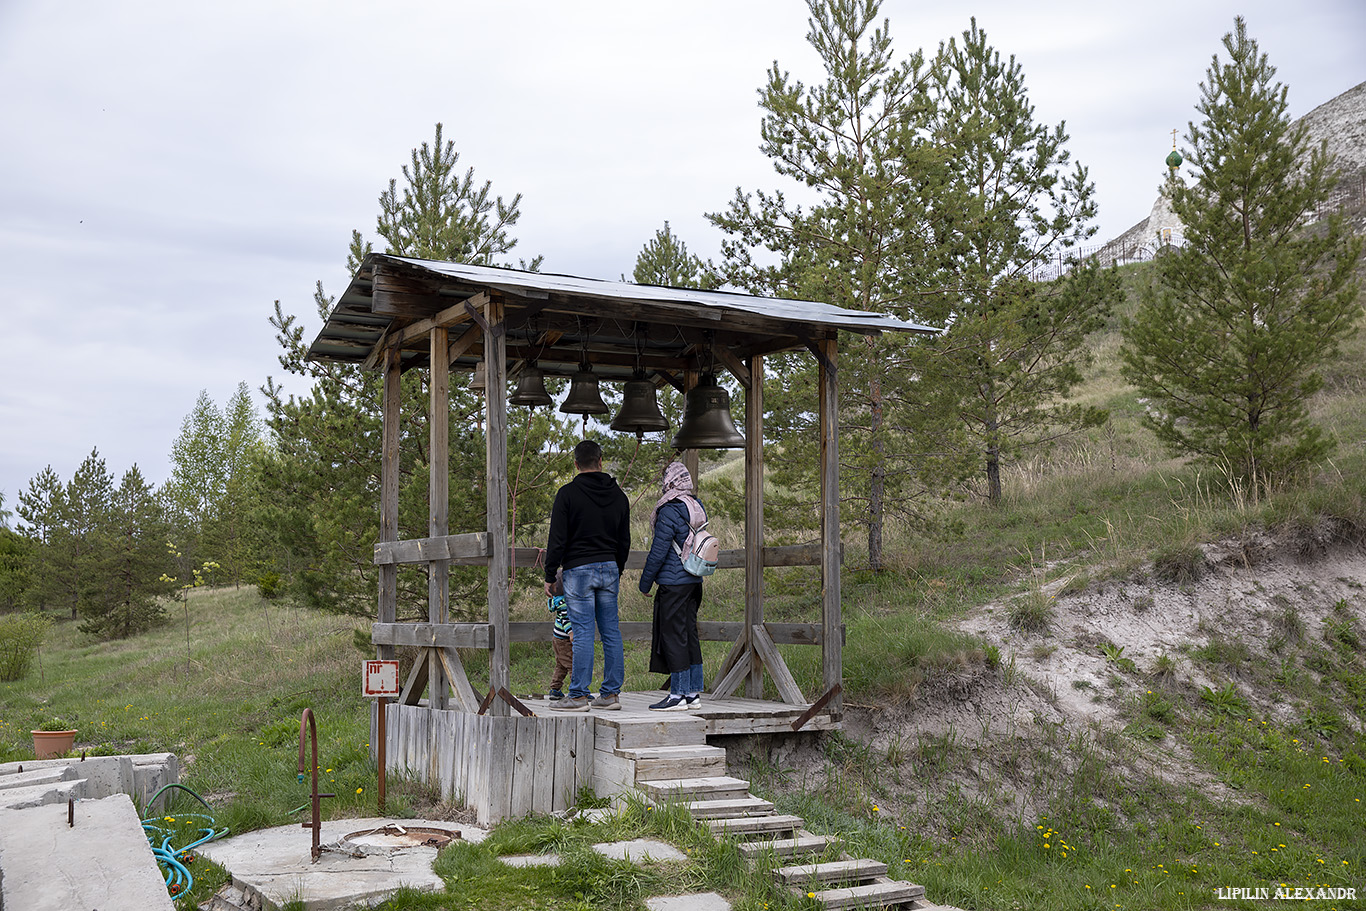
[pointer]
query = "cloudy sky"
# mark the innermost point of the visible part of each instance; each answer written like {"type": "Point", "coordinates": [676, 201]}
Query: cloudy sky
{"type": "Point", "coordinates": [169, 169]}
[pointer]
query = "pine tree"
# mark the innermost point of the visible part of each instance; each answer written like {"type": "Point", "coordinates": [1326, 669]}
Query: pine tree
{"type": "Point", "coordinates": [1227, 343]}
{"type": "Point", "coordinates": [1010, 206]}
{"type": "Point", "coordinates": [665, 260]}
{"type": "Point", "coordinates": [321, 473]}
{"type": "Point", "coordinates": [131, 564]}
{"type": "Point", "coordinates": [852, 149]}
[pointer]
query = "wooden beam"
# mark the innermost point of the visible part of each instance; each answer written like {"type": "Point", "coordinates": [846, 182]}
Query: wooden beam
{"type": "Point", "coordinates": [690, 456]}
{"type": "Point", "coordinates": [415, 684]}
{"type": "Point", "coordinates": [777, 668]}
{"type": "Point", "coordinates": [461, 346]}
{"type": "Point", "coordinates": [736, 675]}
{"type": "Point", "coordinates": [388, 491]}
{"type": "Point", "coordinates": [754, 513]}
{"type": "Point", "coordinates": [832, 666]}
{"type": "Point", "coordinates": [496, 499]}
{"type": "Point", "coordinates": [438, 500]}
{"type": "Point", "coordinates": [479, 635]}
{"type": "Point", "coordinates": [470, 549]}
{"type": "Point", "coordinates": [736, 366]}
{"type": "Point", "coordinates": [460, 682]}
{"type": "Point", "coordinates": [739, 653]}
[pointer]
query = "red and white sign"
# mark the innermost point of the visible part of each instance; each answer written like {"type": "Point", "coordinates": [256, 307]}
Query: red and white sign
{"type": "Point", "coordinates": [380, 678]}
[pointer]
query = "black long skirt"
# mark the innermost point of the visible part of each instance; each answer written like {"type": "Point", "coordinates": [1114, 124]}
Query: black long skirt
{"type": "Point", "coordinates": [674, 645]}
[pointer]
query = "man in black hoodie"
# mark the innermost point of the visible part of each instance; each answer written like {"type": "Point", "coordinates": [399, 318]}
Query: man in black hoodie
{"type": "Point", "coordinates": [590, 538]}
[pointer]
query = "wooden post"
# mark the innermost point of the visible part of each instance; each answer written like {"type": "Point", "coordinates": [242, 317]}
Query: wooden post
{"type": "Point", "coordinates": [383, 757]}
{"type": "Point", "coordinates": [832, 668]}
{"type": "Point", "coordinates": [388, 492]}
{"type": "Point", "coordinates": [438, 504]}
{"type": "Point", "coordinates": [496, 469]}
{"type": "Point", "coordinates": [754, 514]}
{"type": "Point", "coordinates": [690, 455]}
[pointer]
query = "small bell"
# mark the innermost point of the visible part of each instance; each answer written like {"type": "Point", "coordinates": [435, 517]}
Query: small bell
{"type": "Point", "coordinates": [584, 397]}
{"type": "Point", "coordinates": [530, 389]}
{"type": "Point", "coordinates": [477, 382]}
{"type": "Point", "coordinates": [639, 409]}
{"type": "Point", "coordinates": [707, 423]}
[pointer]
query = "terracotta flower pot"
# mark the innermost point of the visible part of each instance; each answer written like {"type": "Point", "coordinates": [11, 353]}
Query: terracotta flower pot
{"type": "Point", "coordinates": [47, 744]}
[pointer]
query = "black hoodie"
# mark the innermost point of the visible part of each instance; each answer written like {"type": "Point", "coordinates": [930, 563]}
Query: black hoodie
{"type": "Point", "coordinates": [589, 523]}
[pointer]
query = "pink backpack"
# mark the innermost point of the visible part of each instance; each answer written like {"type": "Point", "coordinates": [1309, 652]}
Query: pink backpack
{"type": "Point", "coordinates": [700, 549]}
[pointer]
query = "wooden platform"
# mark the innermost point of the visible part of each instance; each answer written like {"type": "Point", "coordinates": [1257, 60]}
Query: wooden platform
{"type": "Point", "coordinates": [731, 715]}
{"type": "Point", "coordinates": [511, 766]}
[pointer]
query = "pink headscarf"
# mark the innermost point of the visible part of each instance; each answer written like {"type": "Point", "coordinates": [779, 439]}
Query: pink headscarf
{"type": "Point", "coordinates": [678, 486]}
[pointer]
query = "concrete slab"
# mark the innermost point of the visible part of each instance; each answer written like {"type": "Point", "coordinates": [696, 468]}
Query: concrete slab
{"type": "Point", "coordinates": [104, 775]}
{"type": "Point", "coordinates": [41, 795]}
{"type": "Point", "coordinates": [697, 901]}
{"type": "Point", "coordinates": [31, 777]}
{"type": "Point", "coordinates": [276, 864]}
{"type": "Point", "coordinates": [102, 861]}
{"type": "Point", "coordinates": [640, 849]}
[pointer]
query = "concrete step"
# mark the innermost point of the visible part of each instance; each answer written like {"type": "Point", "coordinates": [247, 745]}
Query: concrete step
{"type": "Point", "coordinates": [846, 871]}
{"type": "Point", "coordinates": [729, 808]}
{"type": "Point", "coordinates": [713, 788]}
{"type": "Point", "coordinates": [756, 825]}
{"type": "Point", "coordinates": [41, 795]}
{"type": "Point", "coordinates": [882, 893]}
{"type": "Point", "coordinates": [802, 844]}
{"type": "Point", "coordinates": [694, 761]}
{"type": "Point", "coordinates": [28, 777]}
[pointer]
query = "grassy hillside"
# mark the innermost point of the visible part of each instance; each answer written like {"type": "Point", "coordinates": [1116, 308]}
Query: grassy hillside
{"type": "Point", "coordinates": [1128, 687]}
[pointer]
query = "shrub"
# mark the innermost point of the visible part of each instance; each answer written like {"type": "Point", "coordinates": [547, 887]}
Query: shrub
{"type": "Point", "coordinates": [20, 637]}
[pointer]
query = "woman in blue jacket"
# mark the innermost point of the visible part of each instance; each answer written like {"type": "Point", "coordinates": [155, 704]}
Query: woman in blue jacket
{"type": "Point", "coordinates": [675, 648]}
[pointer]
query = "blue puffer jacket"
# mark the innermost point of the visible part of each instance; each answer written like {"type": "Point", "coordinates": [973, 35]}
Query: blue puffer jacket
{"type": "Point", "coordinates": [662, 564]}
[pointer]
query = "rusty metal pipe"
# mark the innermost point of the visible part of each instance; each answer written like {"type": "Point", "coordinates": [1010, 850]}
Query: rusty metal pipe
{"type": "Point", "coordinates": [306, 720]}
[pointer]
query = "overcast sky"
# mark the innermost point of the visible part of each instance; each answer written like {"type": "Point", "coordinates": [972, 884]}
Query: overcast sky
{"type": "Point", "coordinates": [168, 169]}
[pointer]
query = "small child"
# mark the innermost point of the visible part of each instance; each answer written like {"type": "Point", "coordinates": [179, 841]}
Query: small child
{"type": "Point", "coordinates": [562, 638]}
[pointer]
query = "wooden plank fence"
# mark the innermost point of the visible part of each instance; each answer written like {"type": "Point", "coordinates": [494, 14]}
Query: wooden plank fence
{"type": "Point", "coordinates": [500, 766]}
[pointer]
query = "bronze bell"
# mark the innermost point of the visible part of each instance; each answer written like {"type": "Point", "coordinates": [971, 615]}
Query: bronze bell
{"type": "Point", "coordinates": [477, 382]}
{"type": "Point", "coordinates": [584, 397]}
{"type": "Point", "coordinates": [639, 410]}
{"type": "Point", "coordinates": [530, 389]}
{"type": "Point", "coordinates": [707, 422]}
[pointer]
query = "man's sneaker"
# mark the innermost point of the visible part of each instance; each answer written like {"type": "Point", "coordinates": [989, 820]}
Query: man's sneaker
{"type": "Point", "coordinates": [670, 703]}
{"type": "Point", "coordinates": [607, 702]}
{"type": "Point", "coordinates": [693, 703]}
{"type": "Point", "coordinates": [554, 695]}
{"type": "Point", "coordinates": [571, 704]}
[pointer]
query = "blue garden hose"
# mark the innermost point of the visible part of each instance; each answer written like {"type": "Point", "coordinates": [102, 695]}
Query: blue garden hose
{"type": "Point", "coordinates": [173, 859]}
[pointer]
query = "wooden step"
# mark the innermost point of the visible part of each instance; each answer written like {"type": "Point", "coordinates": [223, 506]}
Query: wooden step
{"type": "Point", "coordinates": [756, 825]}
{"type": "Point", "coordinates": [729, 808]}
{"type": "Point", "coordinates": [848, 871]}
{"type": "Point", "coordinates": [879, 894]}
{"type": "Point", "coordinates": [660, 763]}
{"type": "Point", "coordinates": [715, 788]}
{"type": "Point", "coordinates": [802, 844]}
{"type": "Point", "coordinates": [621, 730]}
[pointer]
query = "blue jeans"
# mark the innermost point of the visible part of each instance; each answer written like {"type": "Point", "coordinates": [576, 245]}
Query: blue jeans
{"type": "Point", "coordinates": [685, 683]}
{"type": "Point", "coordinates": [590, 592]}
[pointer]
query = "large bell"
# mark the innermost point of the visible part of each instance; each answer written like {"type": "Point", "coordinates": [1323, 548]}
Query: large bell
{"type": "Point", "coordinates": [639, 410]}
{"type": "Point", "coordinates": [584, 397]}
{"type": "Point", "coordinates": [707, 422]}
{"type": "Point", "coordinates": [530, 389]}
{"type": "Point", "coordinates": [477, 382]}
